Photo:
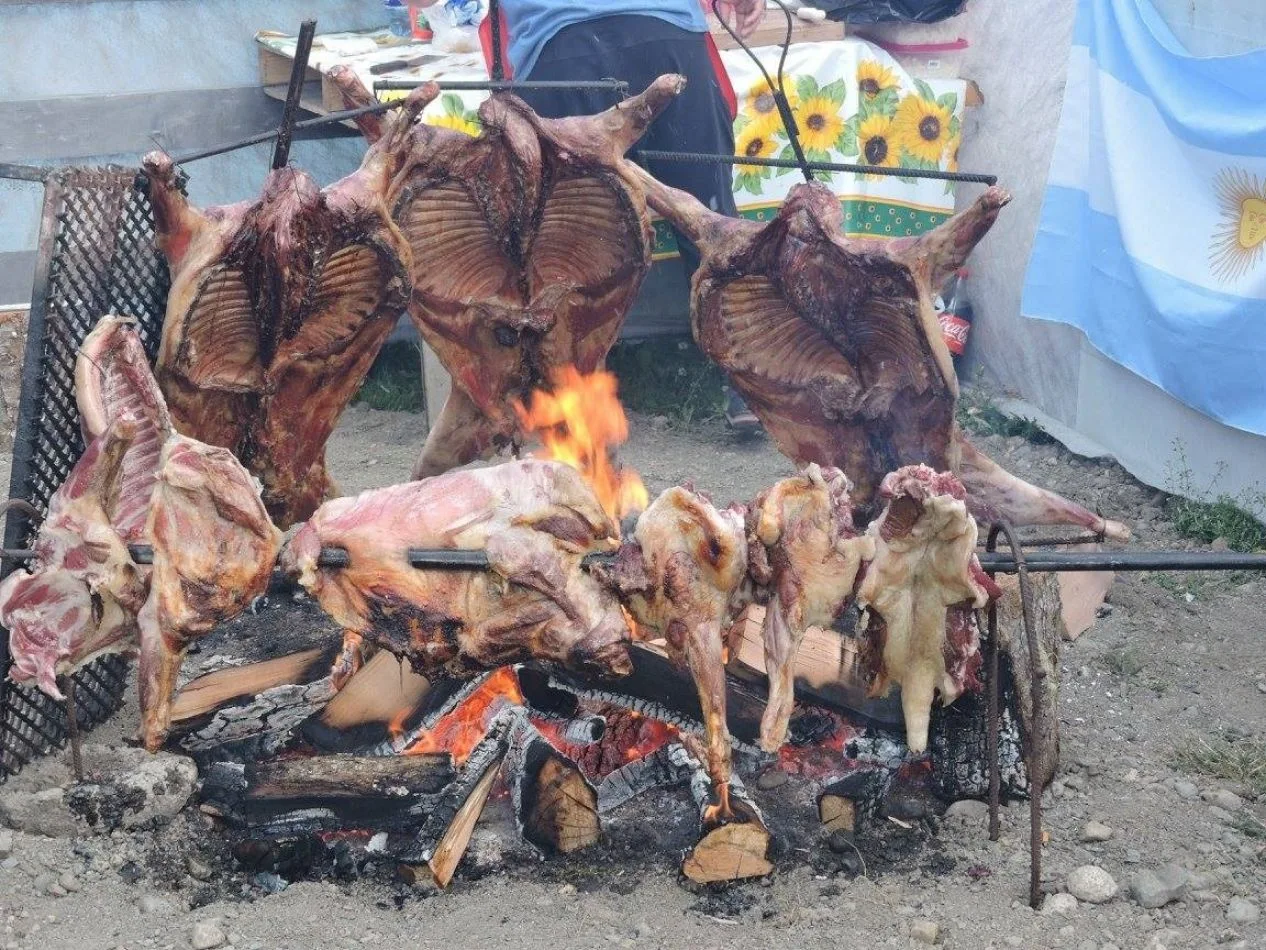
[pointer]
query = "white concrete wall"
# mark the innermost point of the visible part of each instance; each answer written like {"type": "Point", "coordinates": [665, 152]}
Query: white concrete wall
{"type": "Point", "coordinates": [1018, 56]}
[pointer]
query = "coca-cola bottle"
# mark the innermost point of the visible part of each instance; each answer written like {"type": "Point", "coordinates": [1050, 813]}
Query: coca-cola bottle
{"type": "Point", "coordinates": [954, 313]}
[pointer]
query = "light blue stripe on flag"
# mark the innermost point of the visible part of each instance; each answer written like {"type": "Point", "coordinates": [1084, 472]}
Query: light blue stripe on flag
{"type": "Point", "coordinates": [1206, 348]}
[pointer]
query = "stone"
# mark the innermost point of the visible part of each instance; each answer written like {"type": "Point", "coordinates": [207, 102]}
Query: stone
{"type": "Point", "coordinates": [44, 883]}
{"type": "Point", "coordinates": [153, 904]}
{"type": "Point", "coordinates": [968, 811]}
{"type": "Point", "coordinates": [1163, 940]}
{"type": "Point", "coordinates": [39, 813]}
{"type": "Point", "coordinates": [1242, 911]}
{"type": "Point", "coordinates": [137, 789]}
{"type": "Point", "coordinates": [1091, 884]}
{"type": "Point", "coordinates": [207, 935]}
{"type": "Point", "coordinates": [69, 882]}
{"type": "Point", "coordinates": [925, 931]}
{"type": "Point", "coordinates": [1153, 889]}
{"type": "Point", "coordinates": [1059, 904]}
{"type": "Point", "coordinates": [199, 870]}
{"type": "Point", "coordinates": [1227, 800]}
{"type": "Point", "coordinates": [1186, 790]}
{"type": "Point", "coordinates": [1095, 831]}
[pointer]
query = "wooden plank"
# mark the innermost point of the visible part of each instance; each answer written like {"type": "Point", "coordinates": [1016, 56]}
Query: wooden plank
{"type": "Point", "coordinates": [207, 693]}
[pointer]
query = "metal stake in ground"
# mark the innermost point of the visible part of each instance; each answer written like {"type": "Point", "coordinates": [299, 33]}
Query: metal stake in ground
{"type": "Point", "coordinates": [67, 686]}
{"type": "Point", "coordinates": [298, 72]}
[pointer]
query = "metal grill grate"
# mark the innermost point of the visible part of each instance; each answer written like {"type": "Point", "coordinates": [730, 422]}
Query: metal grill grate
{"type": "Point", "coordinates": [96, 256]}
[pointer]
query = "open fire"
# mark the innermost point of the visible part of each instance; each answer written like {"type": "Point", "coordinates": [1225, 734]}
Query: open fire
{"type": "Point", "coordinates": [580, 422]}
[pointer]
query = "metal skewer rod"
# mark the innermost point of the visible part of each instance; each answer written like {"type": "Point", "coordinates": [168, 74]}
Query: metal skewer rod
{"type": "Point", "coordinates": [705, 157]}
{"type": "Point", "coordinates": [298, 73]}
{"type": "Point", "coordinates": [504, 85]}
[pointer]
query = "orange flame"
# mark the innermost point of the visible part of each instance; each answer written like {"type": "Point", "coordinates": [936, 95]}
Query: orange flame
{"type": "Point", "coordinates": [460, 730]}
{"type": "Point", "coordinates": [580, 421]}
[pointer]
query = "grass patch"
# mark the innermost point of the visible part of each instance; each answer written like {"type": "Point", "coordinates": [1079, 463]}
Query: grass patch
{"type": "Point", "coordinates": [1238, 760]}
{"type": "Point", "coordinates": [978, 415]}
{"type": "Point", "coordinates": [1123, 660]}
{"type": "Point", "coordinates": [1205, 514]}
{"type": "Point", "coordinates": [394, 381]}
{"type": "Point", "coordinates": [668, 376]}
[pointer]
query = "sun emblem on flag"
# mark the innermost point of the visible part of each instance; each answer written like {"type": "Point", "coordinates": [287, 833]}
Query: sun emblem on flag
{"type": "Point", "coordinates": [1240, 238]}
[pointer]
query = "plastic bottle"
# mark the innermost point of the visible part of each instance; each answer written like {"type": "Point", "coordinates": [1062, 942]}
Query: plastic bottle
{"type": "Point", "coordinates": [397, 17]}
{"type": "Point", "coordinates": [954, 314]}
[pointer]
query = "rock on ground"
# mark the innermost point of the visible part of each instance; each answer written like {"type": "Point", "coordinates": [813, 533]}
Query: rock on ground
{"type": "Point", "coordinates": [1095, 831]}
{"type": "Point", "coordinates": [925, 931]}
{"type": "Point", "coordinates": [1091, 884]}
{"type": "Point", "coordinates": [207, 935]}
{"type": "Point", "coordinates": [1242, 911]}
{"type": "Point", "coordinates": [1153, 889]}
{"type": "Point", "coordinates": [1059, 904]}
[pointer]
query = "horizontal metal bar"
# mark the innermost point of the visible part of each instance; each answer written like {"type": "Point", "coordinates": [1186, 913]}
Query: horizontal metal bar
{"type": "Point", "coordinates": [705, 157]}
{"type": "Point", "coordinates": [505, 85]}
{"type": "Point", "coordinates": [23, 172]}
{"type": "Point", "coordinates": [1038, 562]}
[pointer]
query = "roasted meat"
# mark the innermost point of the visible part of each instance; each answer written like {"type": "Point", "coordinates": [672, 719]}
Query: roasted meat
{"type": "Point", "coordinates": [79, 597]}
{"type": "Point", "coordinates": [805, 555]}
{"type": "Point", "coordinates": [683, 577]}
{"type": "Point", "coordinates": [529, 245]}
{"type": "Point", "coordinates": [535, 520]}
{"type": "Point", "coordinates": [919, 591]}
{"type": "Point", "coordinates": [834, 344]}
{"type": "Point", "coordinates": [277, 310]}
{"type": "Point", "coordinates": [214, 551]}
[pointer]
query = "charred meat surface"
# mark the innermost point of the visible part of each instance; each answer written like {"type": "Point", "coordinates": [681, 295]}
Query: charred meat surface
{"type": "Point", "coordinates": [214, 551]}
{"type": "Point", "coordinates": [683, 577]}
{"type": "Point", "coordinates": [529, 243]}
{"type": "Point", "coordinates": [535, 520]}
{"type": "Point", "coordinates": [805, 555]}
{"type": "Point", "coordinates": [277, 309]}
{"type": "Point", "coordinates": [834, 344]}
{"type": "Point", "coordinates": [920, 590]}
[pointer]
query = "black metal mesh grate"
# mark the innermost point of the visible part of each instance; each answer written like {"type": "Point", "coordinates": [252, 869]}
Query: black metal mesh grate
{"type": "Point", "coordinates": [96, 257]}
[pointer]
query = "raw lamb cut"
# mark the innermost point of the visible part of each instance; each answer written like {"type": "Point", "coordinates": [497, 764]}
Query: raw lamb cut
{"type": "Point", "coordinates": [919, 591]}
{"type": "Point", "coordinates": [834, 344]}
{"type": "Point", "coordinates": [683, 577]}
{"type": "Point", "coordinates": [805, 557]}
{"type": "Point", "coordinates": [535, 520]}
{"type": "Point", "coordinates": [78, 598]}
{"type": "Point", "coordinates": [214, 551]}
{"type": "Point", "coordinates": [277, 310]}
{"type": "Point", "coordinates": [529, 243]}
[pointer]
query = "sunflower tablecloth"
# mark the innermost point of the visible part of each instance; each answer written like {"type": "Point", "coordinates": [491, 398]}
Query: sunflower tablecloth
{"type": "Point", "coordinates": [852, 101]}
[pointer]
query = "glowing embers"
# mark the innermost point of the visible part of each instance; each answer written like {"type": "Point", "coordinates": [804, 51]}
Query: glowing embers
{"type": "Point", "coordinates": [580, 422]}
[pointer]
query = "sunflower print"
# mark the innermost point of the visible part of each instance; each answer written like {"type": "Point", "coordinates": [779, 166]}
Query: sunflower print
{"type": "Point", "coordinates": [820, 124]}
{"type": "Point", "coordinates": [875, 143]}
{"type": "Point", "coordinates": [922, 128]}
{"type": "Point", "coordinates": [759, 102]}
{"type": "Point", "coordinates": [874, 79]}
{"type": "Point", "coordinates": [756, 138]}
{"type": "Point", "coordinates": [459, 123]}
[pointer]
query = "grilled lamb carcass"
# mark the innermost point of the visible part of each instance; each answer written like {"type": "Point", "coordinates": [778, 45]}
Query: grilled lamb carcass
{"type": "Point", "coordinates": [683, 576]}
{"type": "Point", "coordinates": [834, 344]}
{"type": "Point", "coordinates": [535, 520]}
{"type": "Point", "coordinates": [529, 243]}
{"type": "Point", "coordinates": [214, 551]}
{"type": "Point", "coordinates": [804, 556]}
{"type": "Point", "coordinates": [920, 590]}
{"type": "Point", "coordinates": [277, 310]}
{"type": "Point", "coordinates": [79, 597]}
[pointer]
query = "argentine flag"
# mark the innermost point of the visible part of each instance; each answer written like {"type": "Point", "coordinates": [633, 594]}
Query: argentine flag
{"type": "Point", "coordinates": [1152, 237]}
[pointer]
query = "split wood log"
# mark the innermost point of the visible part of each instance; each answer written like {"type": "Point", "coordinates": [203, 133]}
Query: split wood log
{"type": "Point", "coordinates": [836, 813]}
{"type": "Point", "coordinates": [443, 839]}
{"type": "Point", "coordinates": [555, 805]}
{"type": "Point", "coordinates": [655, 770]}
{"type": "Point", "coordinates": [383, 695]}
{"type": "Point", "coordinates": [726, 850]}
{"type": "Point", "coordinates": [357, 791]}
{"type": "Point", "coordinates": [828, 669]}
{"type": "Point", "coordinates": [194, 705]}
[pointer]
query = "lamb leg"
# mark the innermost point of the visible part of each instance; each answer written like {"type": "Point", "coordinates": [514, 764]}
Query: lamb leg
{"type": "Point", "coordinates": [701, 644]}
{"type": "Point", "coordinates": [461, 434]}
{"type": "Point", "coordinates": [995, 494]}
{"type": "Point", "coordinates": [780, 651]}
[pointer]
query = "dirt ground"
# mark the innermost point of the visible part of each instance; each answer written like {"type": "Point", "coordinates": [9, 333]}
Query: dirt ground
{"type": "Point", "coordinates": [1173, 659]}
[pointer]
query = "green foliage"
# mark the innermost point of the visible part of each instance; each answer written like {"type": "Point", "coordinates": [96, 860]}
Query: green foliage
{"type": "Point", "coordinates": [979, 416]}
{"type": "Point", "coordinates": [667, 376]}
{"type": "Point", "coordinates": [1233, 758]}
{"type": "Point", "coordinates": [1202, 513]}
{"type": "Point", "coordinates": [395, 380]}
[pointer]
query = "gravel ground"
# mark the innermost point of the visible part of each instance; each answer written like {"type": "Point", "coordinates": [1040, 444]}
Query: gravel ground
{"type": "Point", "coordinates": [1173, 658]}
